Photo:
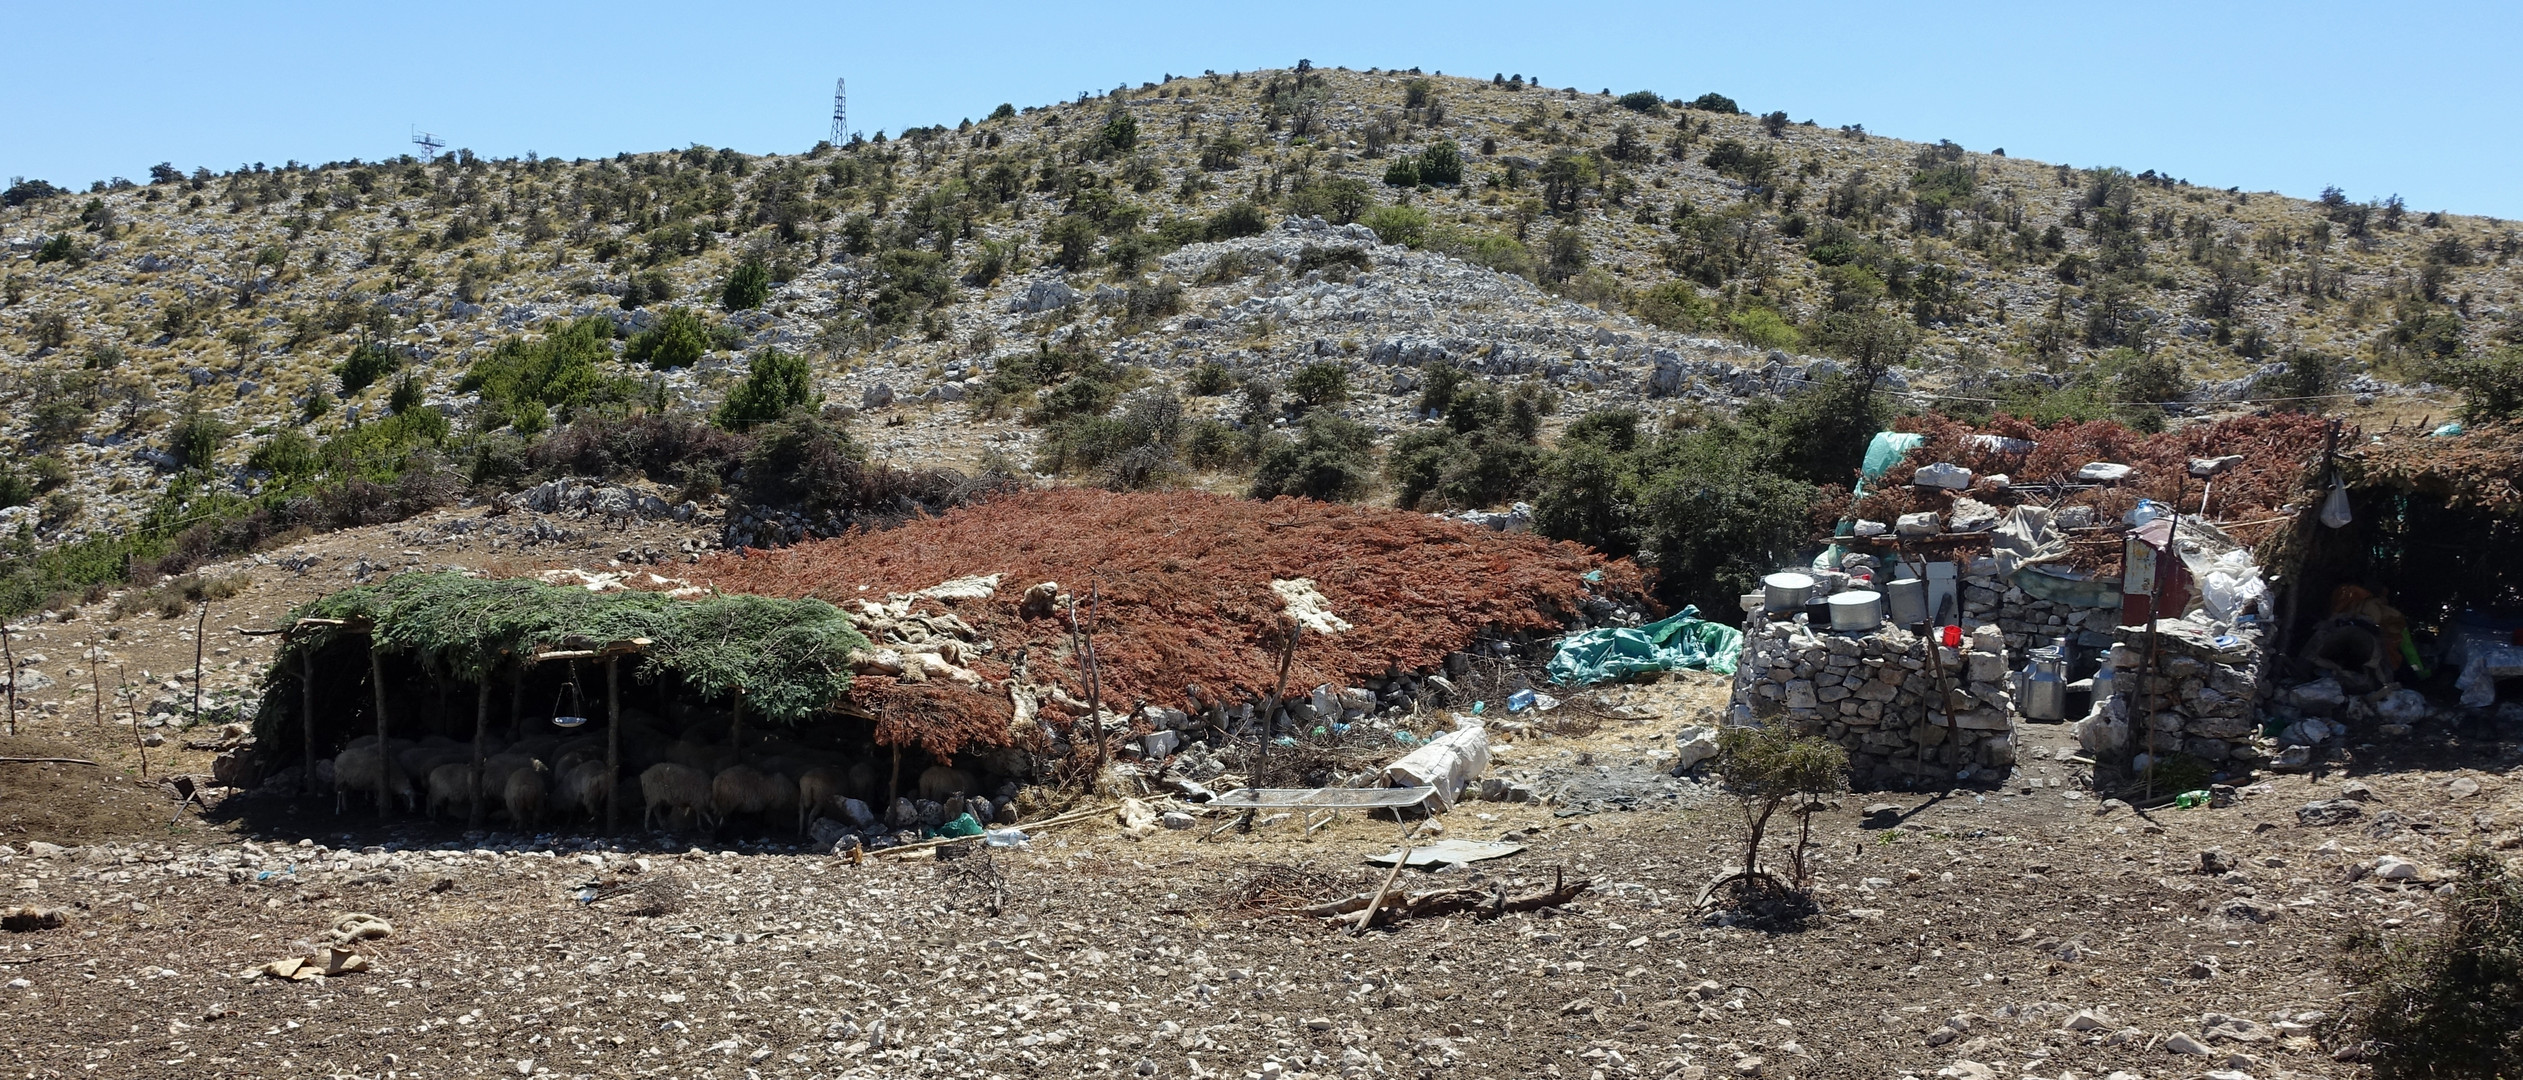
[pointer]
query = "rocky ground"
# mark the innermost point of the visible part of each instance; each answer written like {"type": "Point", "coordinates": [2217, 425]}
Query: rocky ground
{"type": "Point", "coordinates": [2025, 929]}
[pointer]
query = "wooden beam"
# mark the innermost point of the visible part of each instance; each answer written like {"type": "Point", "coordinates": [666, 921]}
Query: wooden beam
{"type": "Point", "coordinates": [385, 760]}
{"type": "Point", "coordinates": [481, 728]}
{"type": "Point", "coordinates": [632, 647]}
{"type": "Point", "coordinates": [612, 741]}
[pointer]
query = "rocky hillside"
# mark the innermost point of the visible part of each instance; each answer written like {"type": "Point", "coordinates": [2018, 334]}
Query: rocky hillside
{"type": "Point", "coordinates": [1613, 248]}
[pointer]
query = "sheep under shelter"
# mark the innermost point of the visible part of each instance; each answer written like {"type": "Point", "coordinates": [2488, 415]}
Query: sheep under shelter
{"type": "Point", "coordinates": [588, 691]}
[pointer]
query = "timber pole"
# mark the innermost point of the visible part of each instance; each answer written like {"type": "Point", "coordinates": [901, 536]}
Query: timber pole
{"type": "Point", "coordinates": [385, 761]}
{"type": "Point", "coordinates": [612, 741]}
{"type": "Point", "coordinates": [306, 721]}
{"type": "Point", "coordinates": [481, 727]}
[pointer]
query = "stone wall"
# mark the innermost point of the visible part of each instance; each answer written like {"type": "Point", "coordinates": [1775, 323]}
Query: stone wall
{"type": "Point", "coordinates": [1876, 694]}
{"type": "Point", "coordinates": [2205, 701]}
{"type": "Point", "coordinates": [2029, 621]}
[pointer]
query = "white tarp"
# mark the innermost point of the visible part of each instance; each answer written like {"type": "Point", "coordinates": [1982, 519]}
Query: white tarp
{"type": "Point", "coordinates": [1448, 762]}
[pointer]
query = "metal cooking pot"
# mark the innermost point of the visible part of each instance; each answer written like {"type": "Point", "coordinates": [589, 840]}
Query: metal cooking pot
{"type": "Point", "coordinates": [1786, 590]}
{"type": "Point", "coordinates": [1856, 609]}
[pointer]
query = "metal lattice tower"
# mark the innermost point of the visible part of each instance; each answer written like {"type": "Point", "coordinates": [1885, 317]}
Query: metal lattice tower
{"type": "Point", "coordinates": [840, 111]}
{"type": "Point", "coordinates": [429, 144]}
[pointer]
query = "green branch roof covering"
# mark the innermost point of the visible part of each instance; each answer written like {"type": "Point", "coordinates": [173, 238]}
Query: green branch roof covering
{"type": "Point", "coordinates": [790, 658]}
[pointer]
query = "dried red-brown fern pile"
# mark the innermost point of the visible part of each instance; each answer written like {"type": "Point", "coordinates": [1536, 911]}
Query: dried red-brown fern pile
{"type": "Point", "coordinates": [2251, 500]}
{"type": "Point", "coordinates": [2481, 468]}
{"type": "Point", "coordinates": [1183, 582]}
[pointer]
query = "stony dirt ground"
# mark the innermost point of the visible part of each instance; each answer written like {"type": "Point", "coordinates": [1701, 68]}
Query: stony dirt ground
{"type": "Point", "coordinates": [2025, 930]}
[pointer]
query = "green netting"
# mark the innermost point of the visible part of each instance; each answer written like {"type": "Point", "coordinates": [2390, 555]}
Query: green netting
{"type": "Point", "coordinates": [1682, 640]}
{"type": "Point", "coordinates": [790, 658]}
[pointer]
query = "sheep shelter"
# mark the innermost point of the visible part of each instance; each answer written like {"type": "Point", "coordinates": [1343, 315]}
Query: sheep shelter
{"type": "Point", "coordinates": [449, 662]}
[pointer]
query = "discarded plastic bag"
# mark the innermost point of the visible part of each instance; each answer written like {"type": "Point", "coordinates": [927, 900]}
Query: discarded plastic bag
{"type": "Point", "coordinates": [2232, 586]}
{"type": "Point", "coordinates": [963, 825]}
{"type": "Point", "coordinates": [1448, 762]}
{"type": "Point", "coordinates": [2335, 508]}
{"type": "Point", "coordinates": [1681, 640]}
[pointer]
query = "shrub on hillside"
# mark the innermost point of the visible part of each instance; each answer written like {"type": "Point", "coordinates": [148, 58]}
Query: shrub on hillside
{"type": "Point", "coordinates": [1404, 225]}
{"type": "Point", "coordinates": [747, 286]}
{"type": "Point", "coordinates": [368, 362]}
{"type": "Point", "coordinates": [2491, 385]}
{"type": "Point", "coordinates": [1331, 458]}
{"type": "Point", "coordinates": [1441, 164]}
{"type": "Point", "coordinates": [775, 382]}
{"type": "Point", "coordinates": [193, 442]}
{"type": "Point", "coordinates": [676, 339]}
{"type": "Point", "coordinates": [521, 378]}
{"type": "Point", "coordinates": [666, 449]}
{"type": "Point", "coordinates": [1642, 101]}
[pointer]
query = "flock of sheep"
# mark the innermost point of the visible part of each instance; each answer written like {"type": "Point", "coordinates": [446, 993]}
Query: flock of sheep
{"type": "Point", "coordinates": [683, 782]}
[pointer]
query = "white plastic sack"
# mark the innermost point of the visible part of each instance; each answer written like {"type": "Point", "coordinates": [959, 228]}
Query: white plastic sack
{"type": "Point", "coordinates": [2104, 471]}
{"type": "Point", "coordinates": [2233, 586]}
{"type": "Point", "coordinates": [2335, 508]}
{"type": "Point", "coordinates": [1448, 763]}
{"type": "Point", "coordinates": [1943, 474]}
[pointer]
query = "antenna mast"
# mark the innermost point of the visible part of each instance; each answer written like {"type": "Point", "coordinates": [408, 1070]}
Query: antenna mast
{"type": "Point", "coordinates": [429, 144]}
{"type": "Point", "coordinates": [840, 111]}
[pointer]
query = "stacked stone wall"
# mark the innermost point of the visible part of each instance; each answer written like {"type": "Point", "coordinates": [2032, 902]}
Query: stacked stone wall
{"type": "Point", "coordinates": [1878, 695]}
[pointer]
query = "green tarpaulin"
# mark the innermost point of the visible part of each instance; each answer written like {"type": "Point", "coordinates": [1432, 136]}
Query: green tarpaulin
{"type": "Point", "coordinates": [1683, 640]}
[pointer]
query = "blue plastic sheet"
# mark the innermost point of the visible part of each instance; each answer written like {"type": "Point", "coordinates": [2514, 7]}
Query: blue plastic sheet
{"type": "Point", "coordinates": [1681, 640]}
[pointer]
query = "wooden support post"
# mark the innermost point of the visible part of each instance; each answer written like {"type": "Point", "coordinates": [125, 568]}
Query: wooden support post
{"type": "Point", "coordinates": [199, 626]}
{"type": "Point", "coordinates": [612, 741]}
{"type": "Point", "coordinates": [385, 761]}
{"type": "Point", "coordinates": [736, 724]}
{"type": "Point", "coordinates": [1094, 677]}
{"type": "Point", "coordinates": [122, 687]}
{"type": "Point", "coordinates": [96, 685]}
{"type": "Point", "coordinates": [306, 722]}
{"type": "Point", "coordinates": [481, 728]}
{"type": "Point", "coordinates": [516, 702]}
{"type": "Point", "coordinates": [10, 657]}
{"type": "Point", "coordinates": [1270, 712]}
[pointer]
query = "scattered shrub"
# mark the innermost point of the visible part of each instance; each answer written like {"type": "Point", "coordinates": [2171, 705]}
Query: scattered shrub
{"type": "Point", "coordinates": [677, 339]}
{"type": "Point", "coordinates": [1331, 459]}
{"type": "Point", "coordinates": [1440, 164]}
{"type": "Point", "coordinates": [666, 449]}
{"type": "Point", "coordinates": [2491, 385]}
{"type": "Point", "coordinates": [1674, 305]}
{"type": "Point", "coordinates": [193, 442]}
{"type": "Point", "coordinates": [1321, 384]}
{"type": "Point", "coordinates": [521, 378]}
{"type": "Point", "coordinates": [368, 362]}
{"type": "Point", "coordinates": [775, 382]}
{"type": "Point", "coordinates": [1404, 225]}
{"type": "Point", "coordinates": [1209, 378]}
{"type": "Point", "coordinates": [289, 456]}
{"type": "Point", "coordinates": [747, 286]}
{"type": "Point", "coordinates": [1239, 219]}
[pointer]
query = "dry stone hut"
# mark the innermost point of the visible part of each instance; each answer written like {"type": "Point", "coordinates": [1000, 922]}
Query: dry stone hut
{"type": "Point", "coordinates": [2023, 540]}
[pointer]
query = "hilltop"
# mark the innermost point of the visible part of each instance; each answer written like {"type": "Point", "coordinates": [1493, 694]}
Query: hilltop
{"type": "Point", "coordinates": [1213, 236]}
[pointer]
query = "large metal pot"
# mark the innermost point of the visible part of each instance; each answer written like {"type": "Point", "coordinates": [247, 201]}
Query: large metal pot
{"type": "Point", "coordinates": [1907, 600]}
{"type": "Point", "coordinates": [1786, 590]}
{"type": "Point", "coordinates": [1857, 609]}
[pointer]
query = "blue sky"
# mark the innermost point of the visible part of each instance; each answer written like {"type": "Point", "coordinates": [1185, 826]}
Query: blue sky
{"type": "Point", "coordinates": [2420, 99]}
